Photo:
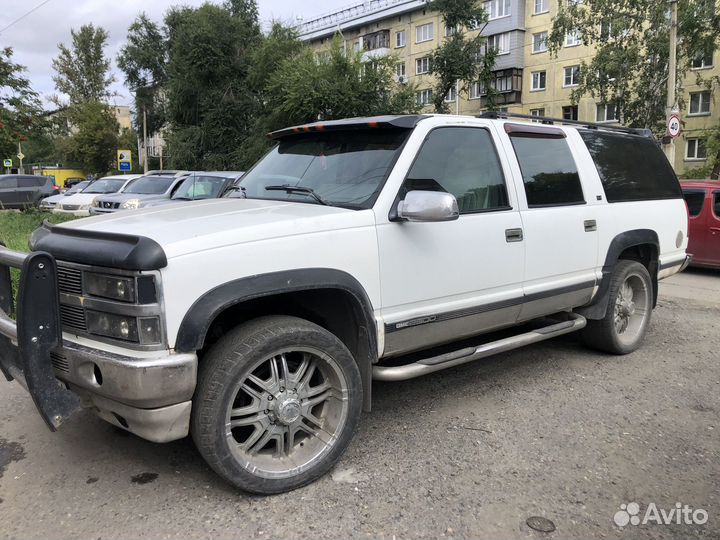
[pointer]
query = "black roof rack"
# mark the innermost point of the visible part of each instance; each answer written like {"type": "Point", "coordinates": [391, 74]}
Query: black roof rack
{"type": "Point", "coordinates": [642, 132]}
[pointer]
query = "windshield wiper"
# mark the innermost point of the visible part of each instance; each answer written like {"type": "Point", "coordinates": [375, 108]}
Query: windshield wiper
{"type": "Point", "coordinates": [299, 189]}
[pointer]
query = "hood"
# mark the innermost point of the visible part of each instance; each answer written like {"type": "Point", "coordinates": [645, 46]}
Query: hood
{"type": "Point", "coordinates": [56, 198]}
{"type": "Point", "coordinates": [78, 198]}
{"type": "Point", "coordinates": [189, 227]}
{"type": "Point", "coordinates": [122, 197]}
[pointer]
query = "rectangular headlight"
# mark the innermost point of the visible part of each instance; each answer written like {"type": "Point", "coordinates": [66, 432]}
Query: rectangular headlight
{"type": "Point", "coordinates": [112, 287]}
{"type": "Point", "coordinates": [112, 326]}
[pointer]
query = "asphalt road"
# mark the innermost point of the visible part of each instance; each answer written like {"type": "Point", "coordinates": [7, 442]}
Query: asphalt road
{"type": "Point", "coordinates": [554, 430]}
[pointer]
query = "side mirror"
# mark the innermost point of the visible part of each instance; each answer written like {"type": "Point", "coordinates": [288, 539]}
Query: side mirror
{"type": "Point", "coordinates": [428, 206]}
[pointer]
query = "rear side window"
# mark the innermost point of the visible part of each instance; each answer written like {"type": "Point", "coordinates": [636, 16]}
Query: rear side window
{"type": "Point", "coordinates": [461, 161]}
{"type": "Point", "coordinates": [30, 181]}
{"type": "Point", "coordinates": [716, 203]}
{"type": "Point", "coordinates": [631, 168]}
{"type": "Point", "coordinates": [694, 201]}
{"type": "Point", "coordinates": [549, 172]}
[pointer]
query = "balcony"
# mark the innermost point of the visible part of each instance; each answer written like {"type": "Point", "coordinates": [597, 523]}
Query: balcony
{"type": "Point", "coordinates": [375, 45]}
{"type": "Point", "coordinates": [508, 84]}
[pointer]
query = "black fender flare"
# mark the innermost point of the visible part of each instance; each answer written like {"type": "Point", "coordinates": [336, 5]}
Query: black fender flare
{"type": "Point", "coordinates": [598, 306]}
{"type": "Point", "coordinates": [196, 323]}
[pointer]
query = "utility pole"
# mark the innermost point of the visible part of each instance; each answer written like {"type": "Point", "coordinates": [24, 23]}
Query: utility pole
{"type": "Point", "coordinates": [672, 74]}
{"type": "Point", "coordinates": [145, 153]}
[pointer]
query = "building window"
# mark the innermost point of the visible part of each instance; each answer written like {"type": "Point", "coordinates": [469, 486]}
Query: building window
{"type": "Point", "coordinates": [696, 149]}
{"type": "Point", "coordinates": [541, 6]}
{"type": "Point", "coordinates": [424, 97]}
{"type": "Point", "coordinates": [450, 31]}
{"type": "Point", "coordinates": [422, 65]}
{"type": "Point", "coordinates": [424, 33]}
{"type": "Point", "coordinates": [700, 103]}
{"type": "Point", "coordinates": [570, 112]}
{"type": "Point", "coordinates": [497, 8]}
{"type": "Point", "coordinates": [499, 42]}
{"type": "Point", "coordinates": [572, 76]}
{"type": "Point", "coordinates": [703, 62]}
{"type": "Point", "coordinates": [400, 70]}
{"type": "Point", "coordinates": [573, 39]}
{"type": "Point", "coordinates": [540, 42]}
{"type": "Point", "coordinates": [451, 96]}
{"type": "Point", "coordinates": [539, 79]}
{"type": "Point", "coordinates": [400, 39]}
{"type": "Point", "coordinates": [606, 113]}
{"type": "Point", "coordinates": [537, 112]}
{"type": "Point", "coordinates": [476, 90]}
{"type": "Point", "coordinates": [376, 40]}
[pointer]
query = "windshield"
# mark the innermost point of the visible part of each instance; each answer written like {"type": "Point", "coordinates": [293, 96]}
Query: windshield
{"type": "Point", "coordinates": [150, 185]}
{"type": "Point", "coordinates": [346, 168]}
{"type": "Point", "coordinates": [201, 187]}
{"type": "Point", "coordinates": [77, 187]}
{"type": "Point", "coordinates": [105, 186]}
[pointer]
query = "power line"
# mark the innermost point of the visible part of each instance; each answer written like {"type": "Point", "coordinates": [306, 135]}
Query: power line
{"type": "Point", "coordinates": [41, 4]}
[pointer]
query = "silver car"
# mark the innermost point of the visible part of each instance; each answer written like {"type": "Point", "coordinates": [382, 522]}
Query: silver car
{"type": "Point", "coordinates": [200, 186]}
{"type": "Point", "coordinates": [151, 187]}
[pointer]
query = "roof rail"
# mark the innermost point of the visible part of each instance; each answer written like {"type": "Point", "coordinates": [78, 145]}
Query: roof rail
{"type": "Point", "coordinates": [643, 132]}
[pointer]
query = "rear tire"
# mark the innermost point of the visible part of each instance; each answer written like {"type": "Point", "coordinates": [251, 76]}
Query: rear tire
{"type": "Point", "coordinates": [277, 402]}
{"type": "Point", "coordinates": [628, 314]}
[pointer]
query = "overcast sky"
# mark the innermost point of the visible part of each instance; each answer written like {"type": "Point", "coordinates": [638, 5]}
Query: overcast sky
{"type": "Point", "coordinates": [35, 38]}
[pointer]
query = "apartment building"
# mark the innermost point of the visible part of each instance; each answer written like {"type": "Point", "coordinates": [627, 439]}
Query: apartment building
{"type": "Point", "coordinates": [528, 78]}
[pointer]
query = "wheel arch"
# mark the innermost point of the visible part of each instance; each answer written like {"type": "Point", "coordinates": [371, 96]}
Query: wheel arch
{"type": "Point", "coordinates": [330, 298]}
{"type": "Point", "coordinates": [641, 245]}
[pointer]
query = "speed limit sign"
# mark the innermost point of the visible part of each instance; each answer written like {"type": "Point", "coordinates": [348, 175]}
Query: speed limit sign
{"type": "Point", "coordinates": [674, 126]}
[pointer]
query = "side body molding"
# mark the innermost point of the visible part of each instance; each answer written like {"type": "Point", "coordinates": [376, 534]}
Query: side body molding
{"type": "Point", "coordinates": [598, 307]}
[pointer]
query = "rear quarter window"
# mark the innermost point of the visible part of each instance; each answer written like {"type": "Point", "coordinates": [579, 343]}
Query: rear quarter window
{"type": "Point", "coordinates": [31, 181]}
{"type": "Point", "coordinates": [632, 168]}
{"type": "Point", "coordinates": [694, 200]}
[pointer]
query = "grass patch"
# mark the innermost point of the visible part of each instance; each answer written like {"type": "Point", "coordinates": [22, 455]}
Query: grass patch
{"type": "Point", "coordinates": [16, 228]}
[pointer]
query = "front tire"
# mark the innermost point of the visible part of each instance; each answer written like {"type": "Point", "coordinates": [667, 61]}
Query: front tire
{"type": "Point", "coordinates": [277, 402]}
{"type": "Point", "coordinates": [629, 310]}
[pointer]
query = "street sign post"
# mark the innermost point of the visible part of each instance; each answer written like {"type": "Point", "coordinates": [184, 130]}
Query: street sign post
{"type": "Point", "coordinates": [124, 158]}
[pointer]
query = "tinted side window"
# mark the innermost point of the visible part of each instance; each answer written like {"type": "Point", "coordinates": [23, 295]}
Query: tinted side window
{"type": "Point", "coordinates": [631, 168]}
{"type": "Point", "coordinates": [30, 181]}
{"type": "Point", "coordinates": [8, 183]}
{"type": "Point", "coordinates": [549, 172]}
{"type": "Point", "coordinates": [716, 204]}
{"type": "Point", "coordinates": [461, 161]}
{"type": "Point", "coordinates": [694, 200]}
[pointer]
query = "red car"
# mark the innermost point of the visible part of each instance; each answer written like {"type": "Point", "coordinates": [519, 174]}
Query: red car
{"type": "Point", "coordinates": [703, 202]}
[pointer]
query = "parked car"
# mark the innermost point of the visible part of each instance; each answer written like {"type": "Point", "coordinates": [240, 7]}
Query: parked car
{"type": "Point", "coordinates": [72, 182]}
{"type": "Point", "coordinates": [703, 202]}
{"type": "Point", "coordinates": [201, 186]}
{"type": "Point", "coordinates": [80, 204]}
{"type": "Point", "coordinates": [50, 202]}
{"type": "Point", "coordinates": [20, 191]}
{"type": "Point", "coordinates": [360, 247]}
{"type": "Point", "coordinates": [146, 189]}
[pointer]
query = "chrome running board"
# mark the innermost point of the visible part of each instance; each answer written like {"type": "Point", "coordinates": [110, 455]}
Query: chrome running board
{"type": "Point", "coordinates": [463, 356]}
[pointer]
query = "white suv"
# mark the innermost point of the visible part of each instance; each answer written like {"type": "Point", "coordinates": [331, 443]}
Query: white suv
{"type": "Point", "coordinates": [258, 323]}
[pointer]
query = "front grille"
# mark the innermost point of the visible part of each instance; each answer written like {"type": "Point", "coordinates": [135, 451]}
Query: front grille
{"type": "Point", "coordinates": [73, 317]}
{"type": "Point", "coordinates": [59, 362]}
{"type": "Point", "coordinates": [69, 280]}
{"type": "Point", "coordinates": [109, 205]}
{"type": "Point", "coordinates": [71, 207]}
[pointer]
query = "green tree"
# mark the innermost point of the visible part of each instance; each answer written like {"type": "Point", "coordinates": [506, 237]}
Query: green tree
{"type": "Point", "coordinates": [20, 107]}
{"type": "Point", "coordinates": [82, 72]}
{"type": "Point", "coordinates": [210, 106]}
{"type": "Point", "coordinates": [143, 60]}
{"type": "Point", "coordinates": [93, 143]}
{"type": "Point", "coordinates": [460, 58]}
{"type": "Point", "coordinates": [631, 39]}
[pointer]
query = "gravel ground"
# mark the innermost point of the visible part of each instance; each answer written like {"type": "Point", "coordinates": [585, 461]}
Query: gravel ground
{"type": "Point", "coordinates": [553, 430]}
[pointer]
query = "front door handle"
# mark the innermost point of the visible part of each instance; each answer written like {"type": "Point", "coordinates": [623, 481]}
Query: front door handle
{"type": "Point", "coordinates": [590, 225]}
{"type": "Point", "coordinates": [513, 235]}
{"type": "Point", "coordinates": [715, 230]}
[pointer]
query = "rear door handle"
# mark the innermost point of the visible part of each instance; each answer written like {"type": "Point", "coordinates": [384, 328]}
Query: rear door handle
{"type": "Point", "coordinates": [590, 225]}
{"type": "Point", "coordinates": [715, 229]}
{"type": "Point", "coordinates": [513, 235]}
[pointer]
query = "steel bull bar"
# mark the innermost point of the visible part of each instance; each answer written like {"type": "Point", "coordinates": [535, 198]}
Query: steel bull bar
{"type": "Point", "coordinates": [26, 341]}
